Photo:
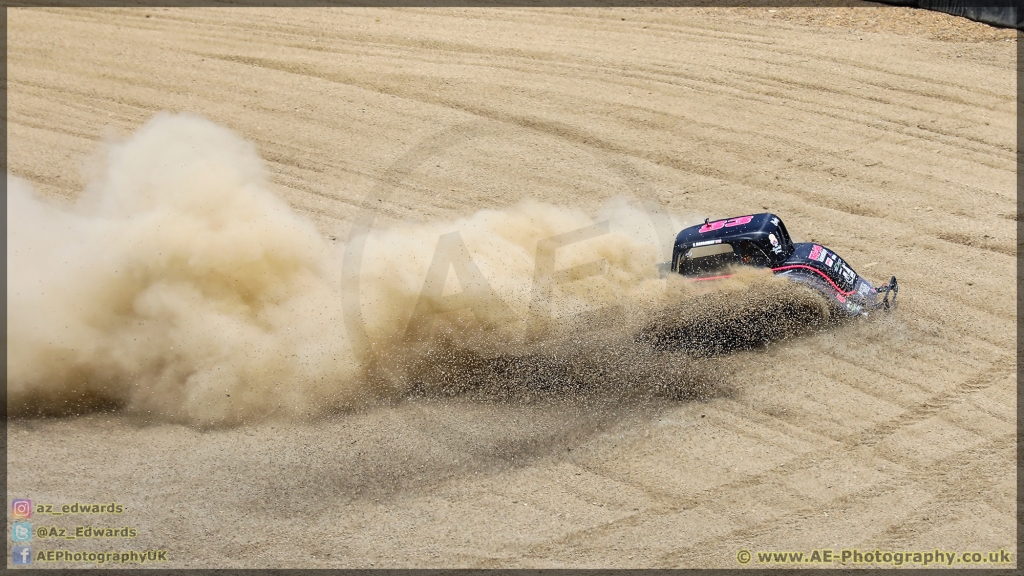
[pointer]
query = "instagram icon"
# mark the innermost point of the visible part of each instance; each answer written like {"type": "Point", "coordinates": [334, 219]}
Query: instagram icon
{"type": "Point", "coordinates": [21, 508]}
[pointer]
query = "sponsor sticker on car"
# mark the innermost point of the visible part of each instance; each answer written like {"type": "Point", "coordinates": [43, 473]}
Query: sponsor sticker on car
{"type": "Point", "coordinates": [848, 273]}
{"type": "Point", "coordinates": [709, 226]}
{"type": "Point", "coordinates": [706, 242]}
{"type": "Point", "coordinates": [817, 253]}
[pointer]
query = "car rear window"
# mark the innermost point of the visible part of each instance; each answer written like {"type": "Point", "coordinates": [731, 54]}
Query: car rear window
{"type": "Point", "coordinates": [706, 259]}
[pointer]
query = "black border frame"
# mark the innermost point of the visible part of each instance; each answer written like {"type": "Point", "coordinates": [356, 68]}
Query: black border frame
{"type": "Point", "coordinates": [534, 4]}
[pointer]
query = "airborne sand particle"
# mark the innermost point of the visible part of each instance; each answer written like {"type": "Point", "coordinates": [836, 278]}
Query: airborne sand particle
{"type": "Point", "coordinates": [179, 285]}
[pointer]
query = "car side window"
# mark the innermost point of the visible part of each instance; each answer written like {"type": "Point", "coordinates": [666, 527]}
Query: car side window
{"type": "Point", "coordinates": [785, 234]}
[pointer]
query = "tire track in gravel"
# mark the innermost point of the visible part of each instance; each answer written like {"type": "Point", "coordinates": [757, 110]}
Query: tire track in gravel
{"type": "Point", "coordinates": [894, 535]}
{"type": "Point", "coordinates": [846, 449]}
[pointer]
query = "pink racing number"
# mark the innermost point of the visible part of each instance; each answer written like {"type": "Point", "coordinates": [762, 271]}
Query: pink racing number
{"type": "Point", "coordinates": [725, 223]}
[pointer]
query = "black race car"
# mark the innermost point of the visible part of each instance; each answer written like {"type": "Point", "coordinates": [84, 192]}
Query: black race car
{"type": "Point", "coordinates": [706, 251]}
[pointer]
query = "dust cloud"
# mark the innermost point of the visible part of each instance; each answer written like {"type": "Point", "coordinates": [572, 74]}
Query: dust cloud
{"type": "Point", "coordinates": [179, 286]}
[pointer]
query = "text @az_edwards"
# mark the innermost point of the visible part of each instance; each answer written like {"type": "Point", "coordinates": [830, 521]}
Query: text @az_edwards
{"type": "Point", "coordinates": [80, 532]}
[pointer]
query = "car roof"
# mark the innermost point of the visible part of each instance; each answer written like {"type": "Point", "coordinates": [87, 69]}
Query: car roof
{"type": "Point", "coordinates": [764, 231]}
{"type": "Point", "coordinates": [758, 226]}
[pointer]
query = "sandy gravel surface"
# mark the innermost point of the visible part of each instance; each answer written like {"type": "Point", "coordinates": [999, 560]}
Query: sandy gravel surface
{"type": "Point", "coordinates": [894, 146]}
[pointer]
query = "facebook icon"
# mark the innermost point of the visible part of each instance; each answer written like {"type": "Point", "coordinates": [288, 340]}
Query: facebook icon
{"type": "Point", "coordinates": [21, 555]}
